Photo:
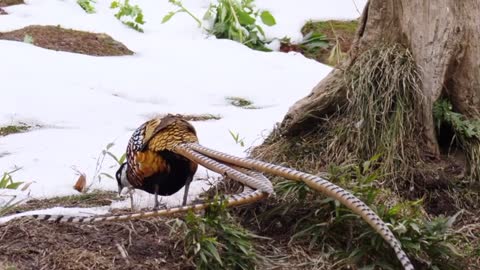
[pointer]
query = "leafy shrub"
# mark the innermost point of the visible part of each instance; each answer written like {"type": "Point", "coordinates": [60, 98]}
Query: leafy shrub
{"type": "Point", "coordinates": [429, 241]}
{"type": "Point", "coordinates": [236, 20]}
{"type": "Point", "coordinates": [466, 134]}
{"type": "Point", "coordinates": [215, 240]}
{"type": "Point", "coordinates": [309, 45]}
{"type": "Point", "coordinates": [233, 19]}
{"type": "Point", "coordinates": [131, 16]}
{"type": "Point", "coordinates": [463, 127]}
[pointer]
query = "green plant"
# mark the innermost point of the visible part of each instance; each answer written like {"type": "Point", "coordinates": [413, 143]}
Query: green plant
{"type": "Point", "coordinates": [28, 39]}
{"type": "Point", "coordinates": [181, 9]}
{"type": "Point", "coordinates": [309, 45]}
{"type": "Point", "coordinates": [6, 182]}
{"type": "Point", "coordinates": [99, 173]}
{"type": "Point", "coordinates": [134, 14]}
{"type": "Point", "coordinates": [383, 86]}
{"type": "Point", "coordinates": [463, 127]}
{"type": "Point", "coordinates": [466, 133]}
{"type": "Point", "coordinates": [87, 5]}
{"type": "Point", "coordinates": [232, 19]}
{"type": "Point", "coordinates": [237, 20]}
{"type": "Point", "coordinates": [215, 240]}
{"type": "Point", "coordinates": [323, 223]}
{"type": "Point", "coordinates": [236, 138]}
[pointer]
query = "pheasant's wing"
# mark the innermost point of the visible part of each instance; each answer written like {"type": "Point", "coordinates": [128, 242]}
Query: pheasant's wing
{"type": "Point", "coordinates": [163, 134]}
{"type": "Point", "coordinates": [149, 163]}
{"type": "Point", "coordinates": [154, 126]}
{"type": "Point", "coordinates": [142, 161]}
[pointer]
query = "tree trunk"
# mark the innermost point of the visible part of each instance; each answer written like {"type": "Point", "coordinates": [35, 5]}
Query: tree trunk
{"type": "Point", "coordinates": [443, 37]}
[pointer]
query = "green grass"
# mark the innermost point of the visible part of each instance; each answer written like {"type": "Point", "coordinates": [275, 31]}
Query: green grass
{"type": "Point", "coordinates": [241, 102]}
{"type": "Point", "coordinates": [12, 129]}
{"type": "Point", "coordinates": [7, 266]}
{"type": "Point", "coordinates": [84, 197]}
{"type": "Point", "coordinates": [466, 134]}
{"type": "Point", "coordinates": [201, 117]}
{"type": "Point", "coordinates": [322, 224]}
{"type": "Point", "coordinates": [215, 240]}
{"type": "Point", "coordinates": [326, 26]}
{"type": "Point", "coordinates": [6, 182]}
{"type": "Point", "coordinates": [383, 88]}
{"type": "Point", "coordinates": [332, 39]}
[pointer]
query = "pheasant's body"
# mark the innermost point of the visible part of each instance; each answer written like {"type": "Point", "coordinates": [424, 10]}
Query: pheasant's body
{"type": "Point", "coordinates": [167, 170]}
{"type": "Point", "coordinates": [151, 164]}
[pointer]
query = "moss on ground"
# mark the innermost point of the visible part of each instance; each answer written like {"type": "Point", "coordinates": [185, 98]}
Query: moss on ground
{"type": "Point", "coordinates": [12, 129]}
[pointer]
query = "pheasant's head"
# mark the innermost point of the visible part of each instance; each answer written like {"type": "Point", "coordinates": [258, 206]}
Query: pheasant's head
{"type": "Point", "coordinates": [121, 177]}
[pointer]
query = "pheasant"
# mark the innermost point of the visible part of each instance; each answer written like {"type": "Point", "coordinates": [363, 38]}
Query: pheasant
{"type": "Point", "coordinates": [152, 165]}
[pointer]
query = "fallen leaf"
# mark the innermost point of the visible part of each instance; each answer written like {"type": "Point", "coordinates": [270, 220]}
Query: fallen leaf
{"type": "Point", "coordinates": [81, 183]}
{"type": "Point", "coordinates": [26, 186]}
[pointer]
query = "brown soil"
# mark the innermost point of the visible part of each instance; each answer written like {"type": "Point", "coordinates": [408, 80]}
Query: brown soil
{"type": "Point", "coordinates": [439, 184]}
{"type": "Point", "coordinates": [60, 39]}
{"type": "Point", "coordinates": [6, 3]}
{"type": "Point", "coordinates": [31, 244]}
{"type": "Point", "coordinates": [3, 12]}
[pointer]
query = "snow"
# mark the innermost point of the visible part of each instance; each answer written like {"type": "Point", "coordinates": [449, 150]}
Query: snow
{"type": "Point", "coordinates": [82, 103]}
{"type": "Point", "coordinates": [70, 211]}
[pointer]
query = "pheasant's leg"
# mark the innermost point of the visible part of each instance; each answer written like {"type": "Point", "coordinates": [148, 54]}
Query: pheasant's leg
{"type": "Point", "coordinates": [156, 198]}
{"type": "Point", "coordinates": [185, 195]}
{"type": "Point", "coordinates": [131, 200]}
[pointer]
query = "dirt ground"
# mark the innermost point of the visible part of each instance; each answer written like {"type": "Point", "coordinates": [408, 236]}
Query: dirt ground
{"type": "Point", "coordinates": [6, 3]}
{"type": "Point", "coordinates": [140, 244]}
{"type": "Point", "coordinates": [31, 244]}
{"type": "Point", "coordinates": [68, 40]}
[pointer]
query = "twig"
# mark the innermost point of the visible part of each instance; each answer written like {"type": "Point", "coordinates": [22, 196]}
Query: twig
{"type": "Point", "coordinates": [123, 252]}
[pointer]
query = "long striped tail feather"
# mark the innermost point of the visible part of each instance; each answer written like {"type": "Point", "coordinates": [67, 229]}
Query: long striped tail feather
{"type": "Point", "coordinates": [317, 183]}
{"type": "Point", "coordinates": [231, 201]}
{"type": "Point", "coordinates": [209, 163]}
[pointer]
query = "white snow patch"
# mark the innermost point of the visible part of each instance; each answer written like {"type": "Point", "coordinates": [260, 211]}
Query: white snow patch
{"type": "Point", "coordinates": [72, 211]}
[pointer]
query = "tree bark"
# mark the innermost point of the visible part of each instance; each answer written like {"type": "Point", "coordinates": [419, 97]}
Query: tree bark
{"type": "Point", "coordinates": [444, 39]}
